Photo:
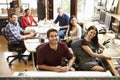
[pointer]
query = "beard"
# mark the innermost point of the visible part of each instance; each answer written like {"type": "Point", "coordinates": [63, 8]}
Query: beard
{"type": "Point", "coordinates": [54, 42]}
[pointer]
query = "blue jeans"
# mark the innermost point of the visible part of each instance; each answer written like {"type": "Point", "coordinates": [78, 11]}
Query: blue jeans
{"type": "Point", "coordinates": [61, 34]}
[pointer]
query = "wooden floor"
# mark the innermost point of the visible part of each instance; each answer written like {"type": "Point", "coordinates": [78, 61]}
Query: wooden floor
{"type": "Point", "coordinates": [5, 70]}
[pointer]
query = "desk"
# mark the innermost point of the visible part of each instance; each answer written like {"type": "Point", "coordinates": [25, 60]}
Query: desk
{"type": "Point", "coordinates": [42, 29]}
{"type": "Point", "coordinates": [63, 74]}
{"type": "Point", "coordinates": [3, 16]}
{"type": "Point", "coordinates": [113, 50]}
{"type": "Point", "coordinates": [31, 45]}
{"type": "Point", "coordinates": [116, 17]}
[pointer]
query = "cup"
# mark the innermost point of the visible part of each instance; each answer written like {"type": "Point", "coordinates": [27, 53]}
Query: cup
{"type": "Point", "coordinates": [42, 40]}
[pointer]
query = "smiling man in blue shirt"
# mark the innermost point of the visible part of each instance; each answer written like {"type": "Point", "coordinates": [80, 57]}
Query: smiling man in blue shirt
{"type": "Point", "coordinates": [63, 20]}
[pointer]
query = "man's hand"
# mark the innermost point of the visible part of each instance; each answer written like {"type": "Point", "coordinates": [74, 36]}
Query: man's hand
{"type": "Point", "coordinates": [62, 69]}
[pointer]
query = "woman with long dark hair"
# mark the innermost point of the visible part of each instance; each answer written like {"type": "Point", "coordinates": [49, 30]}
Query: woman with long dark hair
{"type": "Point", "coordinates": [88, 51]}
{"type": "Point", "coordinates": [74, 31]}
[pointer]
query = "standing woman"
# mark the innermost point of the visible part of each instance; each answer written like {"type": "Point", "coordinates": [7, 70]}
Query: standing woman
{"type": "Point", "coordinates": [73, 32]}
{"type": "Point", "coordinates": [88, 51]}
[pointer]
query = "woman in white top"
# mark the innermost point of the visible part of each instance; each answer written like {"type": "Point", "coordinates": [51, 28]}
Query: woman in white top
{"type": "Point", "coordinates": [73, 32]}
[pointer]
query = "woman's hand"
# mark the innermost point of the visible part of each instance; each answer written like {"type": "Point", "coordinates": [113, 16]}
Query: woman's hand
{"type": "Point", "coordinates": [103, 56]}
{"type": "Point", "coordinates": [68, 40]}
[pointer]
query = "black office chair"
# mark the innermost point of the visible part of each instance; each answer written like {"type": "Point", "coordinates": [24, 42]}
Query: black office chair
{"type": "Point", "coordinates": [75, 48]}
{"type": "Point", "coordinates": [20, 20]}
{"type": "Point", "coordinates": [15, 47]}
{"type": "Point", "coordinates": [35, 56]}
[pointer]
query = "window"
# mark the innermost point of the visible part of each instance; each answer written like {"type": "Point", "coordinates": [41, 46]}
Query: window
{"type": "Point", "coordinates": [4, 5]}
{"type": "Point", "coordinates": [64, 4]}
{"type": "Point", "coordinates": [32, 4]}
{"type": "Point", "coordinates": [85, 9]}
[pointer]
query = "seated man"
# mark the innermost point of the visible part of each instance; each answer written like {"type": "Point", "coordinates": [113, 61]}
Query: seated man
{"type": "Point", "coordinates": [50, 55]}
{"type": "Point", "coordinates": [63, 20]}
{"type": "Point", "coordinates": [15, 33]}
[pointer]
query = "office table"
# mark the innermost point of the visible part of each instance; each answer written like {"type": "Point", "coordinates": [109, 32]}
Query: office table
{"type": "Point", "coordinates": [113, 50]}
{"type": "Point", "coordinates": [63, 74]}
{"type": "Point", "coordinates": [116, 17]}
{"type": "Point", "coordinates": [31, 45]}
{"type": "Point", "coordinates": [3, 16]}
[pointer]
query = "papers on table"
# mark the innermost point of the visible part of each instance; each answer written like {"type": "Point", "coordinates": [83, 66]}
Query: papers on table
{"type": "Point", "coordinates": [43, 29]}
{"type": "Point", "coordinates": [113, 49]}
{"type": "Point", "coordinates": [32, 40]}
{"type": "Point", "coordinates": [113, 53]}
{"type": "Point", "coordinates": [117, 41]}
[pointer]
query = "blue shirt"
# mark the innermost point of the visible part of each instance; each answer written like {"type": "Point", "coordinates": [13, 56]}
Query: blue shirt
{"type": "Point", "coordinates": [13, 32]}
{"type": "Point", "coordinates": [63, 20]}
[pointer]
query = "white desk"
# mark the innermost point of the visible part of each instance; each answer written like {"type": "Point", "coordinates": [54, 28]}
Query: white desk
{"type": "Point", "coordinates": [113, 50]}
{"type": "Point", "coordinates": [63, 74]}
{"type": "Point", "coordinates": [31, 45]}
{"type": "Point", "coordinates": [41, 29]}
{"type": "Point", "coordinates": [3, 16]}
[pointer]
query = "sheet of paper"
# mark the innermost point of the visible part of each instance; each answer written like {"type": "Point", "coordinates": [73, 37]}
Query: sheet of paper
{"type": "Point", "coordinates": [32, 40]}
{"type": "Point", "coordinates": [112, 52]}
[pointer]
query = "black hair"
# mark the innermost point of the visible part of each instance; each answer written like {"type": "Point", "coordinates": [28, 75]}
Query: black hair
{"type": "Point", "coordinates": [26, 10]}
{"type": "Point", "coordinates": [51, 30]}
{"type": "Point", "coordinates": [12, 14]}
{"type": "Point", "coordinates": [95, 39]}
{"type": "Point", "coordinates": [70, 27]}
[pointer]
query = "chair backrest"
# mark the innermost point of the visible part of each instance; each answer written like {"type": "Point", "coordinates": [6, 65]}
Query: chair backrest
{"type": "Point", "coordinates": [4, 33]}
{"type": "Point", "coordinates": [14, 46]}
{"type": "Point", "coordinates": [35, 56]}
{"type": "Point", "coordinates": [75, 48]}
{"type": "Point", "coordinates": [20, 20]}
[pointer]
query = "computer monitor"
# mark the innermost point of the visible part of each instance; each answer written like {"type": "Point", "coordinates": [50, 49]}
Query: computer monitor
{"type": "Point", "coordinates": [107, 21]}
{"type": "Point", "coordinates": [102, 17]}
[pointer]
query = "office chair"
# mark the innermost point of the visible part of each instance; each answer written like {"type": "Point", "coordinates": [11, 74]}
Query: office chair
{"type": "Point", "coordinates": [20, 20]}
{"type": "Point", "coordinates": [35, 56]}
{"type": "Point", "coordinates": [75, 48]}
{"type": "Point", "coordinates": [15, 47]}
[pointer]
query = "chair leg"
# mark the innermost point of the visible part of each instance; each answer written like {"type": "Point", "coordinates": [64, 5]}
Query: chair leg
{"type": "Point", "coordinates": [13, 60]}
{"type": "Point", "coordinates": [19, 57]}
{"type": "Point", "coordinates": [10, 56]}
{"type": "Point", "coordinates": [24, 60]}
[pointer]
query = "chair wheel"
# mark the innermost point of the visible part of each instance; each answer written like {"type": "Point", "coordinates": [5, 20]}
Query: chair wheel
{"type": "Point", "coordinates": [7, 59]}
{"type": "Point", "coordinates": [25, 63]}
{"type": "Point", "coordinates": [10, 65]}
